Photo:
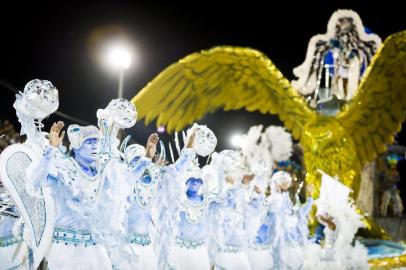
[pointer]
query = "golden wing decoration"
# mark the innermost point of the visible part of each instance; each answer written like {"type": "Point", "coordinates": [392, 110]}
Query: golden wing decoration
{"type": "Point", "coordinates": [223, 77]}
{"type": "Point", "coordinates": [377, 111]}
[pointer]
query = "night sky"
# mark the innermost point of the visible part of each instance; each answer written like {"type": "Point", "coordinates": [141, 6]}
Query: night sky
{"type": "Point", "coordinates": [59, 42]}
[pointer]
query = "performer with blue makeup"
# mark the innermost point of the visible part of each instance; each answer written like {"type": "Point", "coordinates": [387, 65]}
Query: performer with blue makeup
{"type": "Point", "coordinates": [75, 182]}
{"type": "Point", "coordinates": [87, 189]}
{"type": "Point", "coordinates": [185, 206]}
{"type": "Point", "coordinates": [142, 199]}
{"type": "Point", "coordinates": [229, 234]}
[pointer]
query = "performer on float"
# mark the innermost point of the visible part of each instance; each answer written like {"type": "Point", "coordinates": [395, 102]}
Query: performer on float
{"type": "Point", "coordinates": [389, 179]}
{"type": "Point", "coordinates": [341, 221]}
{"type": "Point", "coordinates": [185, 207]}
{"type": "Point", "coordinates": [229, 235]}
{"type": "Point", "coordinates": [336, 61]}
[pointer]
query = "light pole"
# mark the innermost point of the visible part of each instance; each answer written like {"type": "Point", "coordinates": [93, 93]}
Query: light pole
{"type": "Point", "coordinates": [119, 57]}
{"type": "Point", "coordinates": [120, 83]}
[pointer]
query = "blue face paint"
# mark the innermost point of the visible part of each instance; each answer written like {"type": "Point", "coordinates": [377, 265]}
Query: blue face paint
{"type": "Point", "coordinates": [135, 160]}
{"type": "Point", "coordinates": [193, 186]}
{"type": "Point", "coordinates": [86, 155]}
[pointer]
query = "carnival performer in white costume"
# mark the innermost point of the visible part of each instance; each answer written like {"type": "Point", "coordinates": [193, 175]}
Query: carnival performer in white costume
{"type": "Point", "coordinates": [184, 214]}
{"type": "Point", "coordinates": [258, 228]}
{"type": "Point", "coordinates": [341, 221]}
{"type": "Point", "coordinates": [75, 183]}
{"type": "Point", "coordinates": [260, 150]}
{"type": "Point", "coordinates": [85, 191]}
{"type": "Point", "coordinates": [229, 233]}
{"type": "Point", "coordinates": [141, 202]}
{"type": "Point", "coordinates": [288, 224]}
{"type": "Point", "coordinates": [119, 114]}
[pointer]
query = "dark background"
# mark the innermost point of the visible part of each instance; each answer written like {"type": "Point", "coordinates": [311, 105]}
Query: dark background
{"type": "Point", "coordinates": [58, 41]}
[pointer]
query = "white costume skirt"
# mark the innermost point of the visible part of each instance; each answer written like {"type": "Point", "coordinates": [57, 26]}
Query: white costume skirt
{"type": "Point", "coordinates": [291, 257]}
{"type": "Point", "coordinates": [146, 258]}
{"type": "Point", "coordinates": [232, 261]}
{"type": "Point", "coordinates": [12, 253]}
{"type": "Point", "coordinates": [71, 257]}
{"type": "Point", "coordinates": [260, 259]}
{"type": "Point", "coordinates": [75, 250]}
{"type": "Point", "coordinates": [189, 258]}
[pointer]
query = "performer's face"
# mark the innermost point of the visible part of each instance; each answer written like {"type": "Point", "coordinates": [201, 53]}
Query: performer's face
{"type": "Point", "coordinates": [135, 160]}
{"type": "Point", "coordinates": [345, 25]}
{"type": "Point", "coordinates": [194, 184]}
{"type": "Point", "coordinates": [284, 186]}
{"type": "Point", "coordinates": [88, 151]}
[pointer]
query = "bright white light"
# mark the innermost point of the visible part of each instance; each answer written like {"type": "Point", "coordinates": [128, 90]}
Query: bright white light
{"type": "Point", "coordinates": [236, 140]}
{"type": "Point", "coordinates": [119, 56]}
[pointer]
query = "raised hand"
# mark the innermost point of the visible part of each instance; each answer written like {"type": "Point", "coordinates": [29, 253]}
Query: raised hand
{"type": "Point", "coordinates": [150, 148]}
{"type": "Point", "coordinates": [257, 190]}
{"type": "Point", "coordinates": [309, 189]}
{"type": "Point", "coordinates": [248, 178]}
{"type": "Point", "coordinates": [327, 220]}
{"type": "Point", "coordinates": [55, 134]}
{"type": "Point", "coordinates": [160, 162]}
{"type": "Point", "coordinates": [191, 140]}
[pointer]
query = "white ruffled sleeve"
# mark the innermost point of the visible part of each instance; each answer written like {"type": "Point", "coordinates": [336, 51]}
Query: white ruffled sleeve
{"type": "Point", "coordinates": [42, 172]}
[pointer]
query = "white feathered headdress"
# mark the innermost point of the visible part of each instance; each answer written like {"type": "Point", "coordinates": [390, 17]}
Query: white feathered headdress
{"type": "Point", "coordinates": [278, 141]}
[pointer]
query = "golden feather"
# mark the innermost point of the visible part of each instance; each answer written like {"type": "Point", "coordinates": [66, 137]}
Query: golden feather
{"type": "Point", "coordinates": [375, 114]}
